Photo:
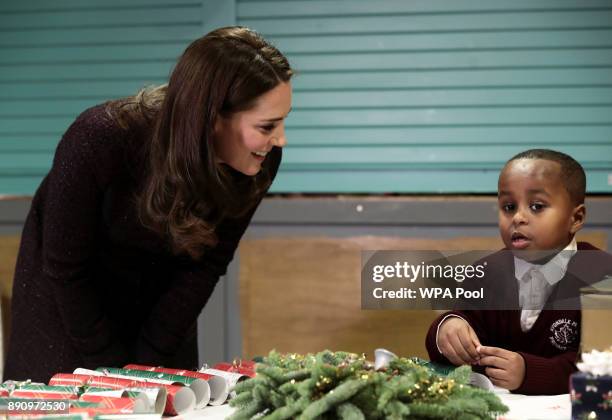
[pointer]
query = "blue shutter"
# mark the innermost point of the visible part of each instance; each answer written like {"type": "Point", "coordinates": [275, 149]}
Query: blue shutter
{"type": "Point", "coordinates": [59, 57]}
{"type": "Point", "coordinates": [434, 96]}
{"type": "Point", "coordinates": [391, 96]}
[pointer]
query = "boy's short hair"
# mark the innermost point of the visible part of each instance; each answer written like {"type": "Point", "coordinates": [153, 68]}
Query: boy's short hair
{"type": "Point", "coordinates": [572, 173]}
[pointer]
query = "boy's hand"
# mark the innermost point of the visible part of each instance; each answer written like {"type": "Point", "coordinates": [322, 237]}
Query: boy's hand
{"type": "Point", "coordinates": [458, 342]}
{"type": "Point", "coordinates": [506, 368]}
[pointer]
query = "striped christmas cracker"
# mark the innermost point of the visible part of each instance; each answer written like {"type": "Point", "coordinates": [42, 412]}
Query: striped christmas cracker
{"type": "Point", "coordinates": [200, 387]}
{"type": "Point", "coordinates": [146, 400]}
{"type": "Point", "coordinates": [232, 378]}
{"type": "Point", "coordinates": [237, 371]}
{"type": "Point", "coordinates": [121, 404]}
{"type": "Point", "coordinates": [75, 416]}
{"type": "Point", "coordinates": [45, 392]}
{"type": "Point", "coordinates": [69, 379]}
{"type": "Point", "coordinates": [118, 410]}
{"type": "Point", "coordinates": [92, 380]}
{"type": "Point", "coordinates": [179, 399]}
{"type": "Point", "coordinates": [219, 387]}
{"type": "Point", "coordinates": [156, 397]}
{"type": "Point", "coordinates": [246, 367]}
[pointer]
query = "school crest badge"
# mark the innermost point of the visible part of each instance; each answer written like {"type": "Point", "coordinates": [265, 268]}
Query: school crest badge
{"type": "Point", "coordinates": [563, 333]}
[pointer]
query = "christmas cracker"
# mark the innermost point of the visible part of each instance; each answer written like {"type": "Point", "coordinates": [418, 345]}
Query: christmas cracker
{"type": "Point", "coordinates": [200, 387]}
{"type": "Point", "coordinates": [219, 387]}
{"type": "Point", "coordinates": [180, 399]}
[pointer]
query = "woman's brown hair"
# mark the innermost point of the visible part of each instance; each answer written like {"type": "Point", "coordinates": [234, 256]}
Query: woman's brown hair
{"type": "Point", "coordinates": [186, 191]}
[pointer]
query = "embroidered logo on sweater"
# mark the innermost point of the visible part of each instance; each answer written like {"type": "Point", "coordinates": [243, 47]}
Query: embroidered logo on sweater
{"type": "Point", "coordinates": [563, 333]}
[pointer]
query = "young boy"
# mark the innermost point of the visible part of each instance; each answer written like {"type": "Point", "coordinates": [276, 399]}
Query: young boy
{"type": "Point", "coordinates": [529, 350]}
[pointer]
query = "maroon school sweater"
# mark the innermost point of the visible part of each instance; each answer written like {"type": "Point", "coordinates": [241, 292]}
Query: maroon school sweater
{"type": "Point", "coordinates": [550, 347]}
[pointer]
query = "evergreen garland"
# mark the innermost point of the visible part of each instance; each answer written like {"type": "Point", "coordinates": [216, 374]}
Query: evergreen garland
{"type": "Point", "coordinates": [344, 385]}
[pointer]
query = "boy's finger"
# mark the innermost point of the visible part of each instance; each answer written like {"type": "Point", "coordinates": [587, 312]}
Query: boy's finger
{"type": "Point", "coordinates": [494, 361]}
{"type": "Point", "coordinates": [497, 374]}
{"type": "Point", "coordinates": [449, 353]}
{"type": "Point", "coordinates": [453, 358]}
{"type": "Point", "coordinates": [499, 383]}
{"type": "Point", "coordinates": [470, 348]}
{"type": "Point", "coordinates": [474, 338]}
{"type": "Point", "coordinates": [491, 351]}
{"type": "Point", "coordinates": [460, 351]}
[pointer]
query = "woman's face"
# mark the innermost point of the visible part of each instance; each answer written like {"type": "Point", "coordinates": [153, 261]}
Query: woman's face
{"type": "Point", "coordinates": [244, 139]}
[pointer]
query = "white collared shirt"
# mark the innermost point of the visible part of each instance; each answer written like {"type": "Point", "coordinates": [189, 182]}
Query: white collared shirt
{"type": "Point", "coordinates": [537, 281]}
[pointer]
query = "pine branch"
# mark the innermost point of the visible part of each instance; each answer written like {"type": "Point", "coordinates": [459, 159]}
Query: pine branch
{"type": "Point", "coordinates": [348, 411]}
{"type": "Point", "coordinates": [340, 394]}
{"type": "Point", "coordinates": [345, 385]}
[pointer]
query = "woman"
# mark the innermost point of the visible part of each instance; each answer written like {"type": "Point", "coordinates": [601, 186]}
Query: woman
{"type": "Point", "coordinates": [142, 211]}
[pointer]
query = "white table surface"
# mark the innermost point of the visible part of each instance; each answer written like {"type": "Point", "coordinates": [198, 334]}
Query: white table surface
{"type": "Point", "coordinates": [522, 407]}
{"type": "Point", "coordinates": [537, 407]}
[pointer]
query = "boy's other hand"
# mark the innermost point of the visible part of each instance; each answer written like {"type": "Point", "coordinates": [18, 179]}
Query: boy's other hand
{"type": "Point", "coordinates": [506, 368]}
{"type": "Point", "coordinates": [458, 342]}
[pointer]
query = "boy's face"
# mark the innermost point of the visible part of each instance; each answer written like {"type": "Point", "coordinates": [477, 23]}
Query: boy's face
{"type": "Point", "coordinates": [536, 212]}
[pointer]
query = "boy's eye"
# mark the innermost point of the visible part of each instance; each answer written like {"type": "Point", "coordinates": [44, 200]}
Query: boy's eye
{"type": "Point", "coordinates": [536, 207]}
{"type": "Point", "coordinates": [508, 207]}
{"type": "Point", "coordinates": [267, 128]}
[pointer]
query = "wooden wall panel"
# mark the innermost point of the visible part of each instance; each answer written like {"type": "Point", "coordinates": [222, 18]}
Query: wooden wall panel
{"type": "Point", "coordinates": [303, 294]}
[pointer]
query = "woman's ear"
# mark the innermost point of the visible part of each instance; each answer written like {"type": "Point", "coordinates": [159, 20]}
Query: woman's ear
{"type": "Point", "coordinates": [578, 218]}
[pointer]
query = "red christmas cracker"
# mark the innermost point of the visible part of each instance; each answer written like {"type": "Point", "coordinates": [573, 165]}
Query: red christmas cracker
{"type": "Point", "coordinates": [113, 383]}
{"type": "Point", "coordinates": [175, 393]}
{"type": "Point", "coordinates": [42, 395]}
{"type": "Point", "coordinates": [91, 380]}
{"type": "Point", "coordinates": [179, 372]}
{"type": "Point", "coordinates": [68, 379]}
{"type": "Point", "coordinates": [199, 387]}
{"type": "Point", "coordinates": [219, 387]}
{"type": "Point", "coordinates": [244, 367]}
{"type": "Point", "coordinates": [93, 411]}
{"type": "Point", "coordinates": [125, 405]}
{"type": "Point", "coordinates": [42, 391]}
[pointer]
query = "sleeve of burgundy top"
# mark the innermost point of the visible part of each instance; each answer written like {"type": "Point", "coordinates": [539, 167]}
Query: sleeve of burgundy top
{"type": "Point", "coordinates": [70, 216]}
{"type": "Point", "coordinates": [543, 375]}
{"type": "Point", "coordinates": [547, 375]}
{"type": "Point", "coordinates": [474, 318]}
{"type": "Point", "coordinates": [192, 285]}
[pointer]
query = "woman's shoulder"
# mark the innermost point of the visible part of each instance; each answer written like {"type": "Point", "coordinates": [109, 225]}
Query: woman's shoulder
{"type": "Point", "coordinates": [93, 127]}
{"type": "Point", "coordinates": [96, 141]}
